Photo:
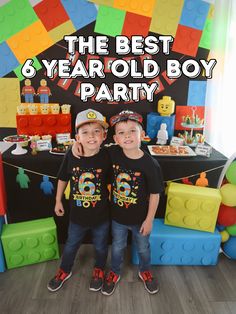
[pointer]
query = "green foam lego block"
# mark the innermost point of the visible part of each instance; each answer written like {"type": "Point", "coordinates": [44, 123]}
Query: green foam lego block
{"type": "Point", "coordinates": [30, 242]}
{"type": "Point", "coordinates": [205, 41]}
{"type": "Point", "coordinates": [15, 16]}
{"type": "Point", "coordinates": [109, 21]}
{"type": "Point", "coordinates": [37, 65]}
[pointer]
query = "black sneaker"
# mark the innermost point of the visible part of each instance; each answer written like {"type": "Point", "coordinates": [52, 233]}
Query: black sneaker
{"type": "Point", "coordinates": [56, 282]}
{"type": "Point", "coordinates": [149, 282]}
{"type": "Point", "coordinates": [97, 279]}
{"type": "Point", "coordinates": [110, 283]}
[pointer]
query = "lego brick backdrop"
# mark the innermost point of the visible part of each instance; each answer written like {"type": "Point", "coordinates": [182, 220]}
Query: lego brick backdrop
{"type": "Point", "coordinates": [35, 30]}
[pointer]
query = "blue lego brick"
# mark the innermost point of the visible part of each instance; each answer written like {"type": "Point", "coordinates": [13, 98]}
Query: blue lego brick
{"type": "Point", "coordinates": [81, 12]}
{"type": "Point", "coordinates": [8, 60]}
{"type": "Point", "coordinates": [194, 14]}
{"type": "Point", "coordinates": [2, 261]}
{"type": "Point", "coordinates": [178, 246]}
{"type": "Point", "coordinates": [197, 93]}
{"type": "Point", "coordinates": [154, 121]}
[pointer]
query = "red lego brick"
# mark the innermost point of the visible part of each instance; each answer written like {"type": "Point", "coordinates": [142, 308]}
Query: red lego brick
{"type": "Point", "coordinates": [187, 40]}
{"type": "Point", "coordinates": [136, 24]}
{"type": "Point", "coordinates": [51, 13]}
{"type": "Point", "coordinates": [42, 124]}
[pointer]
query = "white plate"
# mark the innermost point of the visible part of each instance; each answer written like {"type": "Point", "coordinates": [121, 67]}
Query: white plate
{"type": "Point", "coordinates": [56, 153]}
{"type": "Point", "coordinates": [188, 150]}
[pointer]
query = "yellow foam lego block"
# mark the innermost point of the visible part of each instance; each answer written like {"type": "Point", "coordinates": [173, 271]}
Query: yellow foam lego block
{"type": "Point", "coordinates": [136, 6]}
{"type": "Point", "coordinates": [60, 31]}
{"type": "Point", "coordinates": [30, 41]}
{"type": "Point", "coordinates": [109, 3]}
{"type": "Point", "coordinates": [211, 12]}
{"type": "Point", "coordinates": [166, 16]}
{"type": "Point", "coordinates": [9, 100]}
{"type": "Point", "coordinates": [192, 207]}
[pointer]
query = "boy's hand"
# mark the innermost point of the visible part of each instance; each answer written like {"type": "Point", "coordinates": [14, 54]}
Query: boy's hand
{"type": "Point", "coordinates": [77, 150]}
{"type": "Point", "coordinates": [146, 227]}
{"type": "Point", "coordinates": [59, 209]}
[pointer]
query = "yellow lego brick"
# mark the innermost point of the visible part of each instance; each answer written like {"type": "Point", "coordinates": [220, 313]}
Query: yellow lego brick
{"type": "Point", "coordinates": [60, 31]}
{"type": "Point", "coordinates": [30, 41]}
{"type": "Point", "coordinates": [108, 3]}
{"type": "Point", "coordinates": [192, 207]}
{"type": "Point", "coordinates": [9, 99]}
{"type": "Point", "coordinates": [211, 12]}
{"type": "Point", "coordinates": [166, 16]}
{"type": "Point", "coordinates": [136, 6]}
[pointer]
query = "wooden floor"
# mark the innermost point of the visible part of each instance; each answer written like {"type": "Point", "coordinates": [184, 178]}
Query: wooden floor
{"type": "Point", "coordinates": [183, 290]}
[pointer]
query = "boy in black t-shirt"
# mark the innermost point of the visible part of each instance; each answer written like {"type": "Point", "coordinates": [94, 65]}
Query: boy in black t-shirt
{"type": "Point", "coordinates": [137, 182]}
{"type": "Point", "coordinates": [89, 203]}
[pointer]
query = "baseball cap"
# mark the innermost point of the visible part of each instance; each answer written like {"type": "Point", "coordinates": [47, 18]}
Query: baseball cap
{"type": "Point", "coordinates": [88, 116]}
{"type": "Point", "coordinates": [126, 115]}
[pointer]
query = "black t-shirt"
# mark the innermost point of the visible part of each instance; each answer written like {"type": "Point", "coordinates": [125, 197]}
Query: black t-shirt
{"type": "Point", "coordinates": [89, 197]}
{"type": "Point", "coordinates": [132, 183]}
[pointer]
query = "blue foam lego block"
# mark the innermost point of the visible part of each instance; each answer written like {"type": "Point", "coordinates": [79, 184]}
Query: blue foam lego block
{"type": "Point", "coordinates": [154, 121]}
{"type": "Point", "coordinates": [197, 93]}
{"type": "Point", "coordinates": [194, 14]}
{"type": "Point", "coordinates": [179, 246]}
{"type": "Point", "coordinates": [2, 261]}
{"type": "Point", "coordinates": [81, 12]}
{"type": "Point", "coordinates": [8, 60]}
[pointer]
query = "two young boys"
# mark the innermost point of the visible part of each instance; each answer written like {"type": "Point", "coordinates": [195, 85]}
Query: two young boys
{"type": "Point", "coordinates": [136, 184]}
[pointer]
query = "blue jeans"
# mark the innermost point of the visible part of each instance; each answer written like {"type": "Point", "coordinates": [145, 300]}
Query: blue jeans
{"type": "Point", "coordinates": [119, 243]}
{"type": "Point", "coordinates": [29, 98]}
{"type": "Point", "coordinates": [43, 98]}
{"type": "Point", "coordinates": [76, 235]}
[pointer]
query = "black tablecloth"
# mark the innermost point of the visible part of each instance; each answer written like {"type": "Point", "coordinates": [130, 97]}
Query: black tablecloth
{"type": "Point", "coordinates": [32, 203]}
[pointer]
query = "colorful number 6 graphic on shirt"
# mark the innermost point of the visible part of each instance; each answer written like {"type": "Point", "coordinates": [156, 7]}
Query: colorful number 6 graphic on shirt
{"type": "Point", "coordinates": [123, 187]}
{"type": "Point", "coordinates": [86, 187]}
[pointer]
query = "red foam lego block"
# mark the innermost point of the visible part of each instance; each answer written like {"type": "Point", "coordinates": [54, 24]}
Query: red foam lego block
{"type": "Point", "coordinates": [42, 124]}
{"type": "Point", "coordinates": [136, 24]}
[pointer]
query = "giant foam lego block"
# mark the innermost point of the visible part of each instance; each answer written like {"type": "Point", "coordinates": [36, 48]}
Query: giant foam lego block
{"type": "Point", "coordinates": [3, 197]}
{"type": "Point", "coordinates": [138, 6]}
{"type": "Point", "coordinates": [178, 246]}
{"type": "Point", "coordinates": [30, 242]}
{"type": "Point", "coordinates": [8, 60]}
{"type": "Point", "coordinates": [166, 16]}
{"type": "Point", "coordinates": [109, 21]}
{"type": "Point", "coordinates": [9, 99]}
{"type": "Point", "coordinates": [59, 32]}
{"type": "Point", "coordinates": [194, 13]}
{"type": "Point", "coordinates": [154, 121]}
{"type": "Point", "coordinates": [192, 207]}
{"type": "Point", "coordinates": [81, 12]}
{"type": "Point", "coordinates": [2, 261]}
{"type": "Point", "coordinates": [43, 124]}
{"type": "Point", "coordinates": [196, 93]}
{"type": "Point", "coordinates": [14, 17]}
{"type": "Point", "coordinates": [30, 41]}
{"type": "Point", "coordinates": [187, 40]}
{"type": "Point", "coordinates": [51, 13]}
{"type": "Point", "coordinates": [136, 24]}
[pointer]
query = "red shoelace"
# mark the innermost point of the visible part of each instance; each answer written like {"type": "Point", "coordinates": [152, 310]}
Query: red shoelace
{"type": "Point", "coordinates": [61, 275]}
{"type": "Point", "coordinates": [112, 277]}
{"type": "Point", "coordinates": [147, 276]}
{"type": "Point", "coordinates": [98, 273]}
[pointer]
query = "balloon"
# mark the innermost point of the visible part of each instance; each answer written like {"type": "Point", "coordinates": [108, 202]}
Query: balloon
{"type": "Point", "coordinates": [227, 215]}
{"type": "Point", "coordinates": [224, 236]}
{"type": "Point", "coordinates": [231, 173]}
{"type": "Point", "coordinates": [228, 193]}
{"type": "Point", "coordinates": [229, 248]}
{"type": "Point", "coordinates": [232, 230]}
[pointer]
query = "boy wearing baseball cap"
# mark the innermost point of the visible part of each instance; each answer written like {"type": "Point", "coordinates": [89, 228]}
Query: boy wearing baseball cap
{"type": "Point", "coordinates": [136, 185]}
{"type": "Point", "coordinates": [89, 203]}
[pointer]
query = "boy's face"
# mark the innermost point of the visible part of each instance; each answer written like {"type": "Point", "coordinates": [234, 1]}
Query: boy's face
{"type": "Point", "coordinates": [91, 136]}
{"type": "Point", "coordinates": [128, 135]}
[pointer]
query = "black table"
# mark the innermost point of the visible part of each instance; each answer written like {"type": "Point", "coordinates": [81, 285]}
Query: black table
{"type": "Point", "coordinates": [32, 203]}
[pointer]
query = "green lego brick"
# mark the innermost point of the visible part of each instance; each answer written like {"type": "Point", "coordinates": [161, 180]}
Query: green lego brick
{"type": "Point", "coordinates": [30, 242]}
{"type": "Point", "coordinates": [205, 41]}
{"type": "Point", "coordinates": [15, 16]}
{"type": "Point", "coordinates": [109, 21]}
{"type": "Point", "coordinates": [37, 65]}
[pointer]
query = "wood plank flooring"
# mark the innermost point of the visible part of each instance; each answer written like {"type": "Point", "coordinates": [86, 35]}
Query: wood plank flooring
{"type": "Point", "coordinates": [183, 290]}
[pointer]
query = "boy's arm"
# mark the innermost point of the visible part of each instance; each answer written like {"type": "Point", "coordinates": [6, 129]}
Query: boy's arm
{"type": "Point", "coordinates": [59, 209]}
{"type": "Point", "coordinates": [146, 227]}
